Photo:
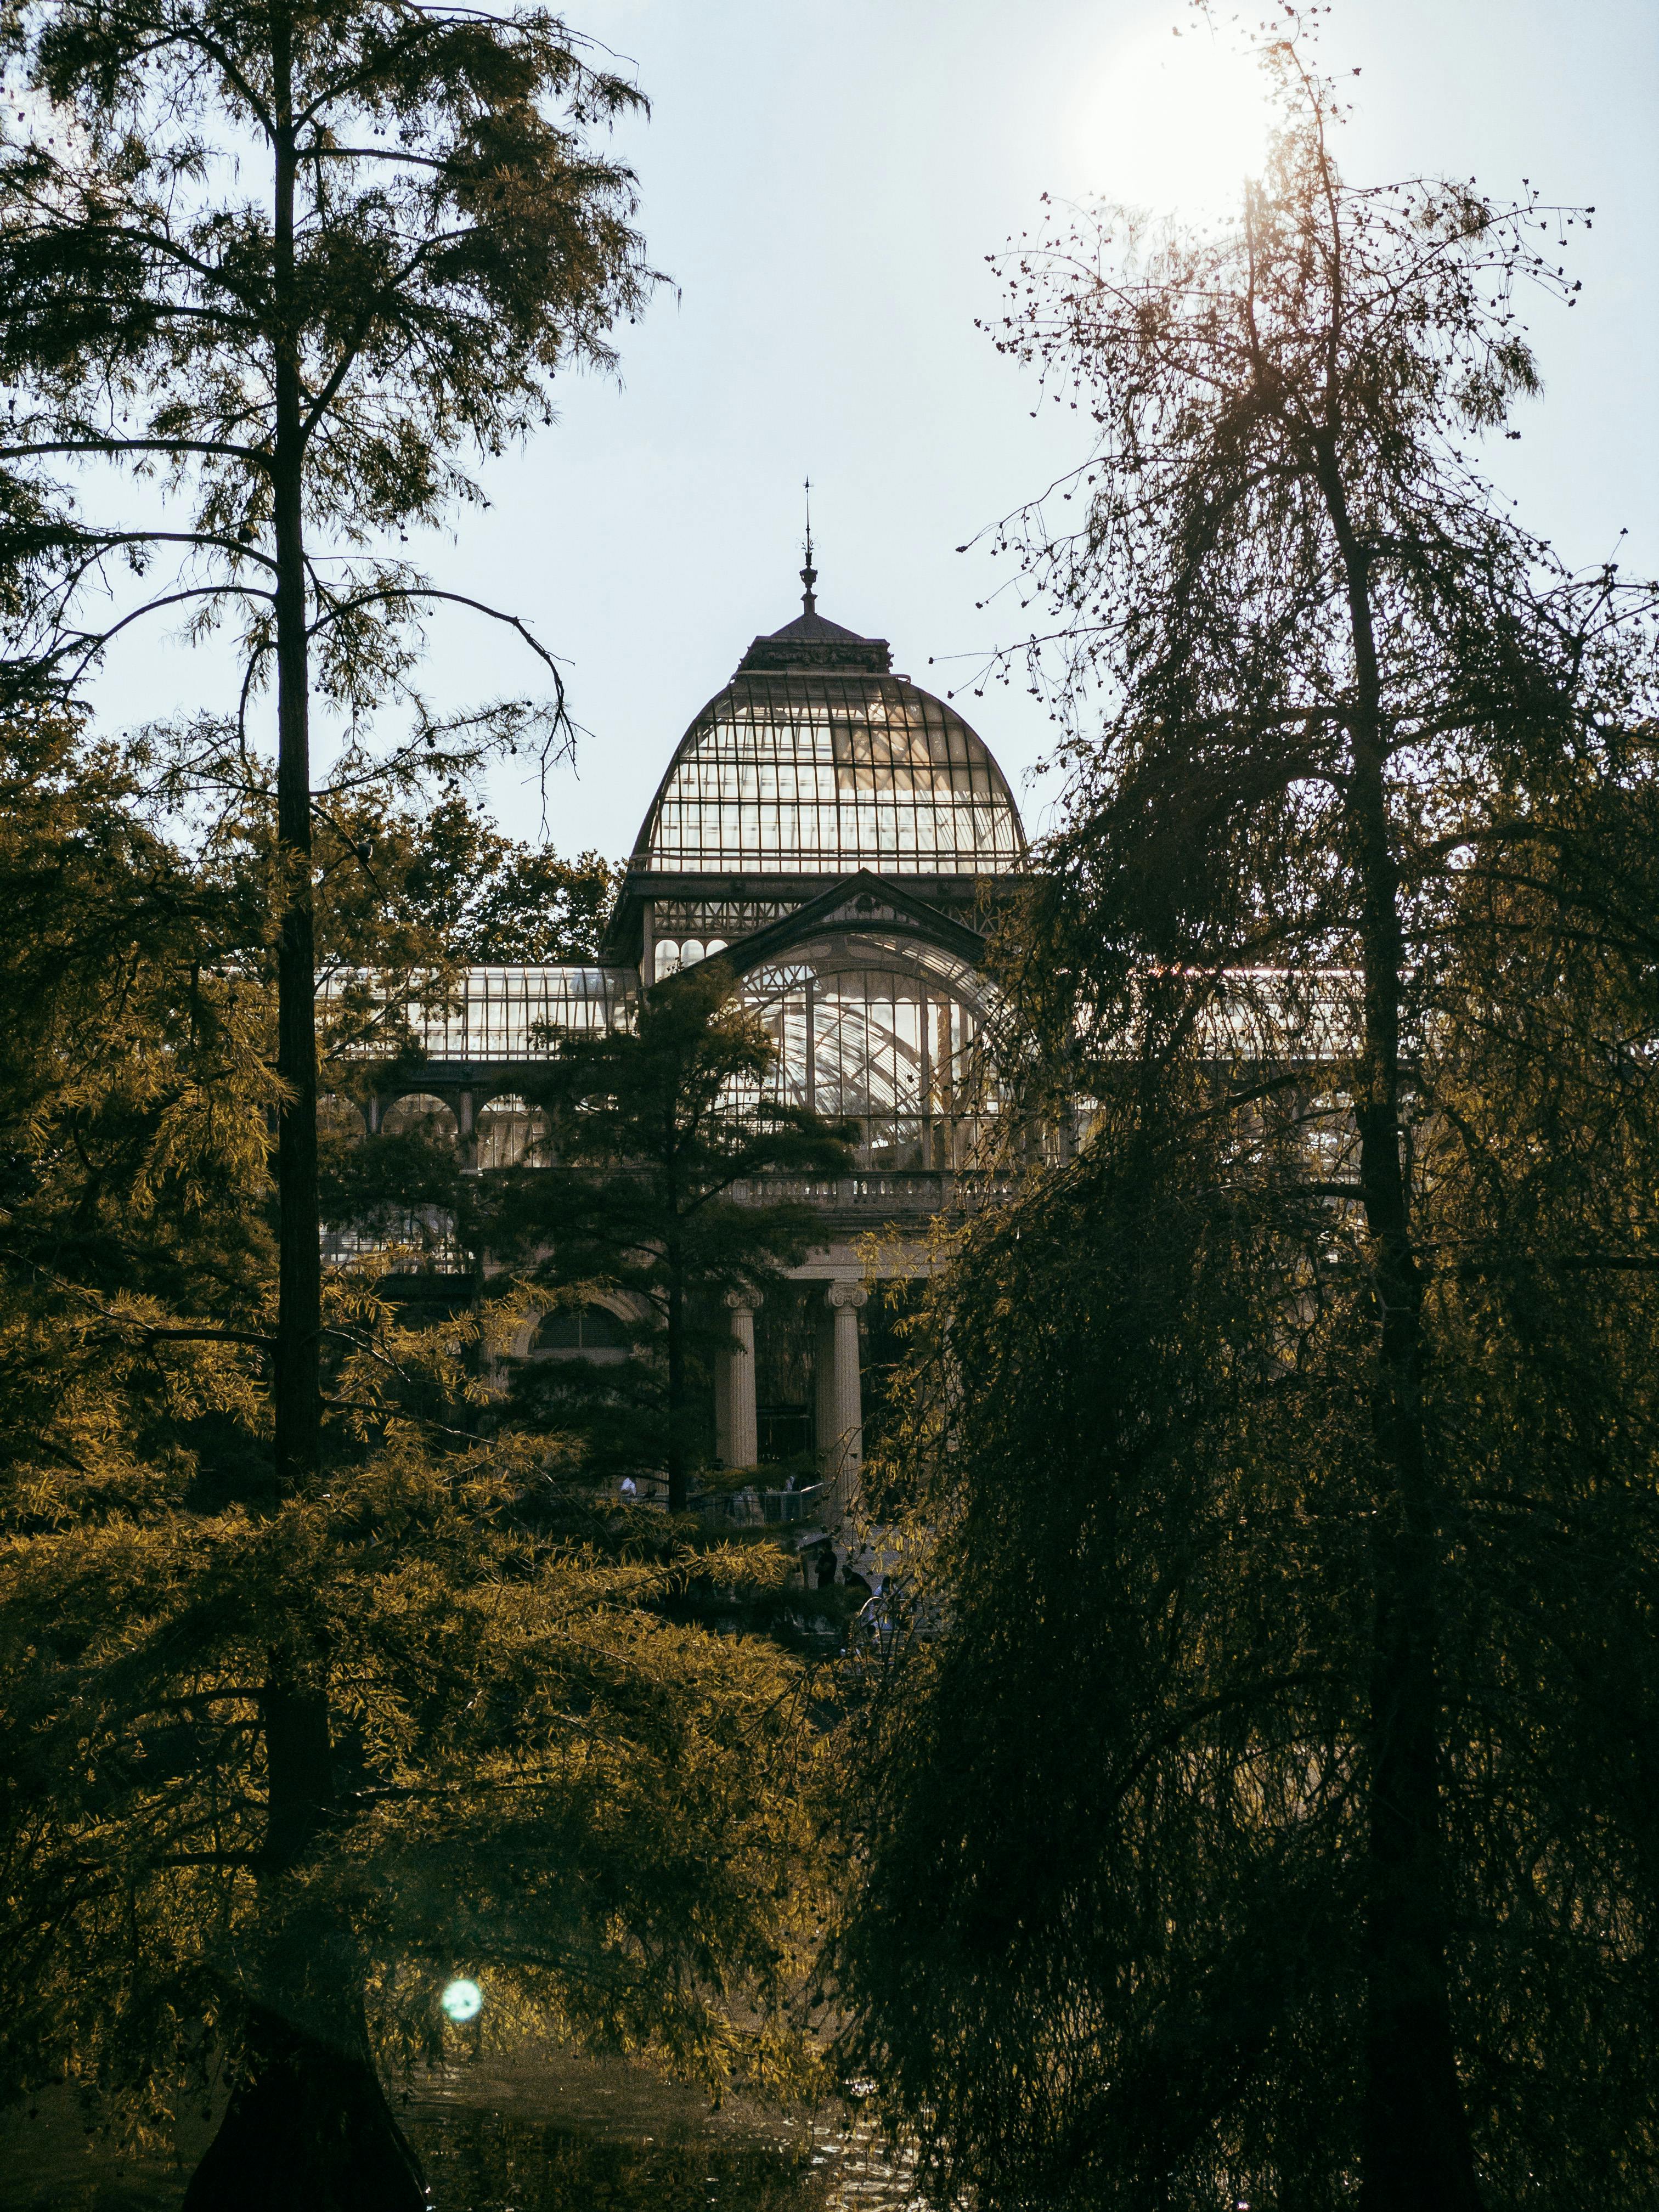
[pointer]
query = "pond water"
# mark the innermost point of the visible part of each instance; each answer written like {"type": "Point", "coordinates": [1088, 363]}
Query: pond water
{"type": "Point", "coordinates": [552, 2134]}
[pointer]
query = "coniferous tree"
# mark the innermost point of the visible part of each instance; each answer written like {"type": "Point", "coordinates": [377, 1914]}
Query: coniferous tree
{"type": "Point", "coordinates": [1293, 1451]}
{"type": "Point", "coordinates": [536, 1775]}
{"type": "Point", "coordinates": [650, 1130]}
{"type": "Point", "coordinates": [432, 239]}
{"type": "Point", "coordinates": [292, 262]}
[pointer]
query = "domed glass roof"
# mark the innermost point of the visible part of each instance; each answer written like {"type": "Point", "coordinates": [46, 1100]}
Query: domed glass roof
{"type": "Point", "coordinates": [817, 760]}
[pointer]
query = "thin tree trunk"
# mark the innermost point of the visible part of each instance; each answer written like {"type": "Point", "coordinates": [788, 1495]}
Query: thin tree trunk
{"type": "Point", "coordinates": [680, 1482]}
{"type": "Point", "coordinates": [307, 2128]}
{"type": "Point", "coordinates": [679, 1485]}
{"type": "Point", "coordinates": [1416, 2154]}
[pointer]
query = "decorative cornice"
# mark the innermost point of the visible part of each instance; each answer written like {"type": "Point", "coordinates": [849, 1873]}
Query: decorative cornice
{"type": "Point", "coordinates": [851, 656]}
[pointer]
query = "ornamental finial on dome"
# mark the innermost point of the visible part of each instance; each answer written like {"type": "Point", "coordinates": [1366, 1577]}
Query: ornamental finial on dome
{"type": "Point", "coordinates": [808, 575]}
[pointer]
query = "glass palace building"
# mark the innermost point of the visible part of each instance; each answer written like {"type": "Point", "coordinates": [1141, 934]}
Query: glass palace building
{"type": "Point", "coordinates": [837, 836]}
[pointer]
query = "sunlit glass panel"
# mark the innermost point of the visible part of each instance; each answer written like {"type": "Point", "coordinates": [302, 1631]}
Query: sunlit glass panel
{"type": "Point", "coordinates": [818, 773]}
{"type": "Point", "coordinates": [488, 1014]}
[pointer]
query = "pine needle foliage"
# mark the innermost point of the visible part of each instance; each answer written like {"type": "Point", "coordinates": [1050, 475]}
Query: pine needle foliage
{"type": "Point", "coordinates": [290, 267]}
{"type": "Point", "coordinates": [661, 1142]}
{"type": "Point", "coordinates": [295, 263]}
{"type": "Point", "coordinates": [529, 1771]}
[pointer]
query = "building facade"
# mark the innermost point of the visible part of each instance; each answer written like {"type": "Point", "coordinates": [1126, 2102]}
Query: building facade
{"type": "Point", "coordinates": [839, 838]}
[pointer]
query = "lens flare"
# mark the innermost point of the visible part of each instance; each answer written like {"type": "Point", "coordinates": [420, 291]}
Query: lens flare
{"type": "Point", "coordinates": [462, 2001]}
{"type": "Point", "coordinates": [1173, 124]}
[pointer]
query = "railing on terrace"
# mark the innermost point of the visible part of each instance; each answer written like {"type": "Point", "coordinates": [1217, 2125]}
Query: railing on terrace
{"type": "Point", "coordinates": [885, 1190]}
{"type": "Point", "coordinates": [421, 1244]}
{"type": "Point", "coordinates": [425, 1243]}
{"type": "Point", "coordinates": [753, 1507]}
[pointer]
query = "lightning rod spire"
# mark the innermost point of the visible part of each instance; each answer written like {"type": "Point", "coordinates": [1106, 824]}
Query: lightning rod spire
{"type": "Point", "coordinates": [808, 575]}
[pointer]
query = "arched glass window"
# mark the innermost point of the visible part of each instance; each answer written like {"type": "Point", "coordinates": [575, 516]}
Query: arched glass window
{"type": "Point", "coordinates": [420, 1110]}
{"type": "Point", "coordinates": [892, 1047]}
{"type": "Point", "coordinates": [586, 1331]}
{"type": "Point", "coordinates": [673, 953]}
{"type": "Point", "coordinates": [512, 1134]}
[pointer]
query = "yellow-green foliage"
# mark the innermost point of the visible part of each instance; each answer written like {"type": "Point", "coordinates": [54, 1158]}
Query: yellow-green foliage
{"type": "Point", "coordinates": [544, 1779]}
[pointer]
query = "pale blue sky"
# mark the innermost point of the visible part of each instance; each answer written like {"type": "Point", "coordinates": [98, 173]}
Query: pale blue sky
{"type": "Point", "coordinates": [822, 180]}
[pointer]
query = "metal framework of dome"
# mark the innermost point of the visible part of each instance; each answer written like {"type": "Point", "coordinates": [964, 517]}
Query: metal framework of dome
{"type": "Point", "coordinates": [817, 760]}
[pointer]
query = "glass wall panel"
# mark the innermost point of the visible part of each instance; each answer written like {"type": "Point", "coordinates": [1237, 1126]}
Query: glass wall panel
{"type": "Point", "coordinates": [492, 1013]}
{"type": "Point", "coordinates": [512, 1134]}
{"type": "Point", "coordinates": [592, 1330]}
{"type": "Point", "coordinates": [340, 1119]}
{"type": "Point", "coordinates": [422, 1111]}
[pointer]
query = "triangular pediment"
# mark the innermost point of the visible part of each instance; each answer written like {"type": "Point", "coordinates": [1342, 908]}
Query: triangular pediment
{"type": "Point", "coordinates": [868, 899]}
{"type": "Point", "coordinates": [865, 901]}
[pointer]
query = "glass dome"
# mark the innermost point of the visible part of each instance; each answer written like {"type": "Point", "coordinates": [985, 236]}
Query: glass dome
{"type": "Point", "coordinates": [817, 761]}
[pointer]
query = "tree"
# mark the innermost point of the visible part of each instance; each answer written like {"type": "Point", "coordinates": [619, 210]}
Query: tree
{"type": "Point", "coordinates": [539, 909]}
{"type": "Point", "coordinates": [651, 1128]}
{"type": "Point", "coordinates": [535, 1775]}
{"type": "Point", "coordinates": [302, 367]}
{"type": "Point", "coordinates": [1343, 933]}
{"type": "Point", "coordinates": [308, 364]}
{"type": "Point", "coordinates": [482, 897]}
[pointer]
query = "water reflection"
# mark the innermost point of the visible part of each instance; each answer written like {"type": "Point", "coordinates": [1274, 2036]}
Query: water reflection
{"type": "Point", "coordinates": [568, 2133]}
{"type": "Point", "coordinates": [553, 2134]}
{"type": "Point", "coordinates": [502, 2162]}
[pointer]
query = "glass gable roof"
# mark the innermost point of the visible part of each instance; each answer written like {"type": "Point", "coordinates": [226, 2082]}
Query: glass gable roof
{"type": "Point", "coordinates": [822, 771]}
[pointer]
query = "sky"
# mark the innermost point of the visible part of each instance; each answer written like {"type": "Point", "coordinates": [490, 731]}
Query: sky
{"type": "Point", "coordinates": [821, 181]}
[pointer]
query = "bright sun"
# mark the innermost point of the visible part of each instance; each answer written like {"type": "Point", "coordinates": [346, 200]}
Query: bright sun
{"type": "Point", "coordinates": [1172, 122]}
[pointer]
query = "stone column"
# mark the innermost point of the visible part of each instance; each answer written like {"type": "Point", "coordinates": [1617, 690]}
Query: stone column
{"type": "Point", "coordinates": [737, 1429]}
{"type": "Point", "coordinates": [842, 1446]}
{"type": "Point", "coordinates": [824, 1391]}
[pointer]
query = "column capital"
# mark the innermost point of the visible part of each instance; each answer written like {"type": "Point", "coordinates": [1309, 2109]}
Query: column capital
{"type": "Point", "coordinates": [846, 1294]}
{"type": "Point", "coordinates": [744, 1301]}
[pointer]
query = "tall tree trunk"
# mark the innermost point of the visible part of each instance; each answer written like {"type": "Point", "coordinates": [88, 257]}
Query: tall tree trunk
{"type": "Point", "coordinates": [679, 1473]}
{"type": "Point", "coordinates": [307, 2128]}
{"type": "Point", "coordinates": [1416, 2154]}
{"type": "Point", "coordinates": [300, 1309]}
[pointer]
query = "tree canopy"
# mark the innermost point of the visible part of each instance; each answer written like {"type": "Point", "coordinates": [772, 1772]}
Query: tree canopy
{"type": "Point", "coordinates": [1291, 1452]}
{"type": "Point", "coordinates": [292, 266]}
{"type": "Point", "coordinates": [532, 1772]}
